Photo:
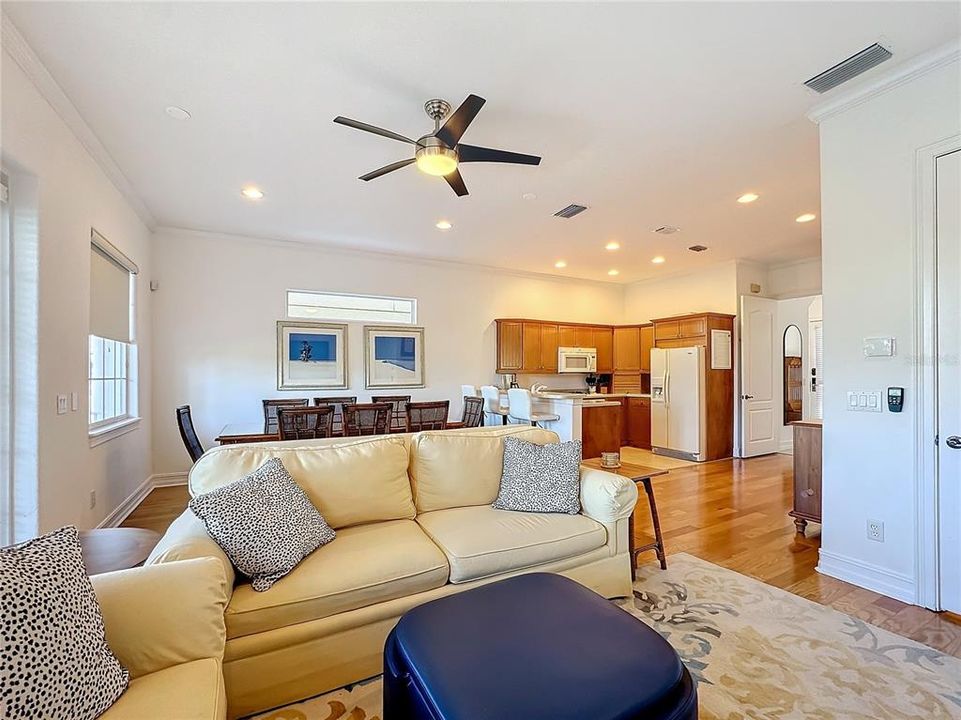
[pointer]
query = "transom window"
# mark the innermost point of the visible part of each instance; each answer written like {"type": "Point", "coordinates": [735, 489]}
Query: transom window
{"type": "Point", "coordinates": [306, 304]}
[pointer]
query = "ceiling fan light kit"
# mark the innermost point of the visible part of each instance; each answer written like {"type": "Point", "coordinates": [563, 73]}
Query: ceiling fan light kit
{"type": "Point", "coordinates": [440, 152]}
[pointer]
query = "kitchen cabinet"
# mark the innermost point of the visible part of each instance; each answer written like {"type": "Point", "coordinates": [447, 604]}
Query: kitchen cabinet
{"type": "Point", "coordinates": [639, 422]}
{"type": "Point", "coordinates": [627, 349]}
{"type": "Point", "coordinates": [583, 336]}
{"type": "Point", "coordinates": [647, 344]}
{"type": "Point", "coordinates": [603, 340]}
{"type": "Point", "coordinates": [531, 343]}
{"type": "Point", "coordinates": [566, 336]}
{"type": "Point", "coordinates": [600, 430]}
{"type": "Point", "coordinates": [548, 363]}
{"type": "Point", "coordinates": [510, 346]}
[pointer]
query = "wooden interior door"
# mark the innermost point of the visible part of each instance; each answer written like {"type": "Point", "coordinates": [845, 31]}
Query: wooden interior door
{"type": "Point", "coordinates": [760, 360]}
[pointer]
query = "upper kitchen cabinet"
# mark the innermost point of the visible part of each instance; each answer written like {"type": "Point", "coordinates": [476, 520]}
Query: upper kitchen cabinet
{"type": "Point", "coordinates": [510, 346]}
{"type": "Point", "coordinates": [531, 343]}
{"type": "Point", "coordinates": [603, 341]}
{"type": "Point", "coordinates": [548, 348]}
{"type": "Point", "coordinates": [647, 344]}
{"type": "Point", "coordinates": [627, 349]}
{"type": "Point", "coordinates": [566, 336]}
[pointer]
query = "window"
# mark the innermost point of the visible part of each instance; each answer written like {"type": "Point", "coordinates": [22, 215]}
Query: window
{"type": "Point", "coordinates": [6, 385]}
{"type": "Point", "coordinates": [360, 308]}
{"type": "Point", "coordinates": [112, 352]}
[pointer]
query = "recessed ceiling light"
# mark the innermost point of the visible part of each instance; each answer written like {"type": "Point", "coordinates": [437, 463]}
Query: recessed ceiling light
{"type": "Point", "coordinates": [529, 196]}
{"type": "Point", "coordinates": [177, 113]}
{"type": "Point", "coordinates": [613, 245]}
{"type": "Point", "coordinates": [806, 217]}
{"type": "Point", "coordinates": [560, 264]}
{"type": "Point", "coordinates": [252, 193]}
{"type": "Point", "coordinates": [443, 225]}
{"type": "Point", "coordinates": [613, 272]}
{"type": "Point", "coordinates": [748, 198]}
{"type": "Point", "coordinates": [657, 260]}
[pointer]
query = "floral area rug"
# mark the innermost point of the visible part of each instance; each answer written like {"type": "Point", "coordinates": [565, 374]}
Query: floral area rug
{"type": "Point", "coordinates": [756, 652]}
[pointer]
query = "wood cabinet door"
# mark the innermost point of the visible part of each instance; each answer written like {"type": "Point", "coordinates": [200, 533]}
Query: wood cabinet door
{"type": "Point", "coordinates": [510, 347]}
{"type": "Point", "coordinates": [604, 342]}
{"type": "Point", "coordinates": [625, 422]}
{"type": "Point", "coordinates": [565, 335]}
{"type": "Point", "coordinates": [627, 349]}
{"type": "Point", "coordinates": [583, 336]}
{"type": "Point", "coordinates": [647, 343]}
{"type": "Point", "coordinates": [639, 422]}
{"type": "Point", "coordinates": [807, 472]}
{"type": "Point", "coordinates": [531, 344]}
{"type": "Point", "coordinates": [690, 327]}
{"type": "Point", "coordinates": [548, 348]}
{"type": "Point", "coordinates": [666, 330]}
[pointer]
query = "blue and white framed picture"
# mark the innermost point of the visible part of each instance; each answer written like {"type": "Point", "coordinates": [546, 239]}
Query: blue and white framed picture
{"type": "Point", "coordinates": [394, 356]}
{"type": "Point", "coordinates": [311, 356]}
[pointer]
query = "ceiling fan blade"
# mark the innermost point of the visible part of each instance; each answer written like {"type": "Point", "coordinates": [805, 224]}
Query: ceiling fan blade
{"type": "Point", "coordinates": [472, 153]}
{"type": "Point", "coordinates": [457, 183]}
{"type": "Point", "coordinates": [387, 168]}
{"type": "Point", "coordinates": [357, 125]}
{"type": "Point", "coordinates": [457, 123]}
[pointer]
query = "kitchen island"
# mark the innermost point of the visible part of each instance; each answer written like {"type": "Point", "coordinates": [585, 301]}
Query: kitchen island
{"type": "Point", "coordinates": [598, 420]}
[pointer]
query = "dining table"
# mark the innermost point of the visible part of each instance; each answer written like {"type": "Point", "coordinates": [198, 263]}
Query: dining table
{"type": "Point", "coordinates": [253, 432]}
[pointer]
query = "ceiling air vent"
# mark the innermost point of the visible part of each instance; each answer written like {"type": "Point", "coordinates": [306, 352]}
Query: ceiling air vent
{"type": "Point", "coordinates": [697, 248]}
{"type": "Point", "coordinates": [850, 68]}
{"type": "Point", "coordinates": [666, 230]}
{"type": "Point", "coordinates": [570, 211]}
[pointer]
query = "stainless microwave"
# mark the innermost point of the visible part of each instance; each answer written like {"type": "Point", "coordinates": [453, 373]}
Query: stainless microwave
{"type": "Point", "coordinates": [576, 360]}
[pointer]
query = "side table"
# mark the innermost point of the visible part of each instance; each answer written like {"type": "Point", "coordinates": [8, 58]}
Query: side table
{"type": "Point", "coordinates": [640, 475]}
{"type": "Point", "coordinates": [109, 549]}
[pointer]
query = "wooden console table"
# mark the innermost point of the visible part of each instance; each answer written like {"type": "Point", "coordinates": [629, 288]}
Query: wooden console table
{"type": "Point", "coordinates": [639, 474]}
{"type": "Point", "coordinates": [807, 473]}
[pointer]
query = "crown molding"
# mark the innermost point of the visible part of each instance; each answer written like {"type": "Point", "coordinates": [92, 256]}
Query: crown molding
{"type": "Point", "coordinates": [21, 53]}
{"type": "Point", "coordinates": [899, 75]}
{"type": "Point", "coordinates": [319, 246]}
{"type": "Point", "coordinates": [794, 263]}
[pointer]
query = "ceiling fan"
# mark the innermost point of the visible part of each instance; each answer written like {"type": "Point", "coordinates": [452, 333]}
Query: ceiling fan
{"type": "Point", "coordinates": [440, 152]}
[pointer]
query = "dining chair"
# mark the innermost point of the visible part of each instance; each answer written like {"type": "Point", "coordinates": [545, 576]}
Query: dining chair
{"type": "Point", "coordinates": [469, 391]}
{"type": "Point", "coordinates": [305, 423]}
{"type": "Point", "coordinates": [427, 415]}
{"type": "Point", "coordinates": [473, 412]}
{"type": "Point", "coordinates": [492, 405]}
{"type": "Point", "coordinates": [398, 410]}
{"type": "Point", "coordinates": [270, 411]}
{"type": "Point", "coordinates": [188, 434]}
{"type": "Point", "coordinates": [366, 419]}
{"type": "Point", "coordinates": [521, 408]}
{"type": "Point", "coordinates": [337, 403]}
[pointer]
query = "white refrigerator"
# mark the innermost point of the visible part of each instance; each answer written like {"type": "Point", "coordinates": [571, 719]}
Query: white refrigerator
{"type": "Point", "coordinates": [678, 426]}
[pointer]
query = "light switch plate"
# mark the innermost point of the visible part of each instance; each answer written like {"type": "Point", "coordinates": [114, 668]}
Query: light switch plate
{"type": "Point", "coordinates": [74, 402]}
{"type": "Point", "coordinates": [864, 401]}
{"type": "Point", "coordinates": [62, 404]}
{"type": "Point", "coordinates": [879, 347]}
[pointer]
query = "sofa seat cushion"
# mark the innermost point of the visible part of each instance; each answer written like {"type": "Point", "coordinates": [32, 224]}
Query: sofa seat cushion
{"type": "Point", "coordinates": [192, 691]}
{"type": "Point", "coordinates": [364, 565]}
{"type": "Point", "coordinates": [481, 542]}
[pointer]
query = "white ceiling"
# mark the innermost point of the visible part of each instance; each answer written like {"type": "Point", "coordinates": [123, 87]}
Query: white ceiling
{"type": "Point", "coordinates": [649, 113]}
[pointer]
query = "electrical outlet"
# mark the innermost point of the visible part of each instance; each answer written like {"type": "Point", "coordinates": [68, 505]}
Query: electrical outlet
{"type": "Point", "coordinates": [93, 499]}
{"type": "Point", "coordinates": [876, 530]}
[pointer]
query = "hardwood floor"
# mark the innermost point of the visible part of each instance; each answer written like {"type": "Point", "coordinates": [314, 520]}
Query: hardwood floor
{"type": "Point", "coordinates": [729, 512]}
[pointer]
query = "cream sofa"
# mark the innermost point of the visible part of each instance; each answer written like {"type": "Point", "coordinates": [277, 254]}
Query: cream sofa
{"type": "Point", "coordinates": [165, 624]}
{"type": "Point", "coordinates": [414, 523]}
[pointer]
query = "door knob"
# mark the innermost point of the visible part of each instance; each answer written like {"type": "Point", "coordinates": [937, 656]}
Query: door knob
{"type": "Point", "coordinates": [954, 442]}
{"type": "Point", "coordinates": [747, 397]}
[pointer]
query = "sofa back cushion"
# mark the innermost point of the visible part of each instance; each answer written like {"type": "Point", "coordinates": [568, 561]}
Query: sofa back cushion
{"type": "Point", "coordinates": [460, 469]}
{"type": "Point", "coordinates": [350, 482]}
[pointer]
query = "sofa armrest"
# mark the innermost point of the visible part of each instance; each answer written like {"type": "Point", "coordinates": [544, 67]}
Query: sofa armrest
{"type": "Point", "coordinates": [187, 539]}
{"type": "Point", "coordinates": [606, 497]}
{"type": "Point", "coordinates": [164, 615]}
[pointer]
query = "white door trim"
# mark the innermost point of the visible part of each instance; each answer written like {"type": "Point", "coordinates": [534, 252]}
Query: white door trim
{"type": "Point", "coordinates": [926, 489]}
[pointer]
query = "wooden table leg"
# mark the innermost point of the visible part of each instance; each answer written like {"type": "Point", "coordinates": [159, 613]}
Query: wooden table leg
{"type": "Point", "coordinates": [658, 545]}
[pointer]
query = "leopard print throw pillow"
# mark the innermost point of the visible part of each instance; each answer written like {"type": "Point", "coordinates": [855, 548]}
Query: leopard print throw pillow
{"type": "Point", "coordinates": [540, 478]}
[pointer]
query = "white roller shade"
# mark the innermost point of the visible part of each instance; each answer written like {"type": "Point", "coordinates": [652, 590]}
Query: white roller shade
{"type": "Point", "coordinates": [110, 273]}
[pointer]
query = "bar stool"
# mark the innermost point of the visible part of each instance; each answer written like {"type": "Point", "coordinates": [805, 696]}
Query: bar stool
{"type": "Point", "coordinates": [492, 405]}
{"type": "Point", "coordinates": [520, 408]}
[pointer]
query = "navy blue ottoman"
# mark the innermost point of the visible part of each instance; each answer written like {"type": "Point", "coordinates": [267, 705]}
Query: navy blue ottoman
{"type": "Point", "coordinates": [531, 646]}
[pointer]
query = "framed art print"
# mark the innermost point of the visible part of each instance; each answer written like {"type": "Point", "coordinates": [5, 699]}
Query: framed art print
{"type": "Point", "coordinates": [311, 355]}
{"type": "Point", "coordinates": [394, 356]}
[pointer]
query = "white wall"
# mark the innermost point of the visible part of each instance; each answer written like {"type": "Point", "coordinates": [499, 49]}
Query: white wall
{"type": "Point", "coordinates": [73, 196]}
{"type": "Point", "coordinates": [868, 184]}
{"type": "Point", "coordinates": [214, 321]}
{"type": "Point", "coordinates": [796, 279]}
{"type": "Point", "coordinates": [712, 289]}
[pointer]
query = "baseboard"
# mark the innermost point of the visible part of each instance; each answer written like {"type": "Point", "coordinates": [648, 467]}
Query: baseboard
{"type": "Point", "coordinates": [867, 575]}
{"type": "Point", "coordinates": [123, 510]}
{"type": "Point", "coordinates": [786, 447]}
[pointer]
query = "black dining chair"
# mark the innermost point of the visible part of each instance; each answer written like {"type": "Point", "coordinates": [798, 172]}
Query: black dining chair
{"type": "Point", "coordinates": [270, 411]}
{"type": "Point", "coordinates": [305, 423]}
{"type": "Point", "coordinates": [337, 403]}
{"type": "Point", "coordinates": [473, 411]}
{"type": "Point", "coordinates": [398, 410]}
{"type": "Point", "coordinates": [188, 434]}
